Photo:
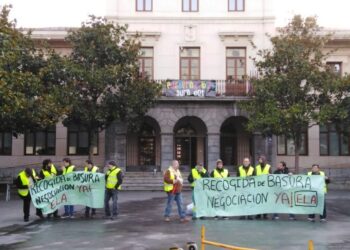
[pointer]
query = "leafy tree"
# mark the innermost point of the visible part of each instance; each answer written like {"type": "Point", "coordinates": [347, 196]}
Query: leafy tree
{"type": "Point", "coordinates": [103, 72]}
{"type": "Point", "coordinates": [29, 92]}
{"type": "Point", "coordinates": [295, 89]}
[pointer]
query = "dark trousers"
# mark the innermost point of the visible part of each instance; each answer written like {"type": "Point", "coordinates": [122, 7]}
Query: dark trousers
{"type": "Point", "coordinates": [111, 194]}
{"type": "Point", "coordinates": [87, 211]}
{"type": "Point", "coordinates": [26, 205]}
{"type": "Point", "coordinates": [323, 215]}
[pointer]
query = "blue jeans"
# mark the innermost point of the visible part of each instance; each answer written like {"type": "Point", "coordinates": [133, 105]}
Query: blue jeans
{"type": "Point", "coordinates": [194, 206]}
{"type": "Point", "coordinates": [111, 193]}
{"type": "Point", "coordinates": [178, 198]}
{"type": "Point", "coordinates": [68, 210]}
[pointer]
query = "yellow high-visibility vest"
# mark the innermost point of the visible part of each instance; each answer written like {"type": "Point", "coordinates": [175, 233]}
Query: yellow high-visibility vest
{"type": "Point", "coordinates": [94, 169]}
{"type": "Point", "coordinates": [264, 171]}
{"type": "Point", "coordinates": [325, 185]}
{"type": "Point", "coordinates": [243, 173]}
{"type": "Point", "coordinates": [52, 172]}
{"type": "Point", "coordinates": [25, 182]}
{"type": "Point", "coordinates": [68, 169]}
{"type": "Point", "coordinates": [223, 174]}
{"type": "Point", "coordinates": [196, 175]}
{"type": "Point", "coordinates": [112, 179]}
{"type": "Point", "coordinates": [169, 187]}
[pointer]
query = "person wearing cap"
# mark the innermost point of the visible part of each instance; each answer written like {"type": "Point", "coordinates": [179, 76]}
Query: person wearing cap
{"type": "Point", "coordinates": [220, 171]}
{"type": "Point", "coordinates": [26, 179]}
{"type": "Point", "coordinates": [173, 183]}
{"type": "Point", "coordinates": [198, 172]}
{"type": "Point", "coordinates": [245, 170]}
{"type": "Point", "coordinates": [315, 170]}
{"type": "Point", "coordinates": [89, 167]}
{"type": "Point", "coordinates": [114, 180]}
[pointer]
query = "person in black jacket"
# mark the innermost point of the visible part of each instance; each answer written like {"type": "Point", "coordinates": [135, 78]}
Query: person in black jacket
{"type": "Point", "coordinates": [282, 169]}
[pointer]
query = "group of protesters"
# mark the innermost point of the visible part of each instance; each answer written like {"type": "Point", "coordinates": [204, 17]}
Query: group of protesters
{"type": "Point", "coordinates": [173, 183]}
{"type": "Point", "coordinates": [27, 178]}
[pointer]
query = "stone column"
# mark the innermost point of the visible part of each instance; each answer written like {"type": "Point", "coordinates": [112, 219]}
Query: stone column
{"type": "Point", "coordinates": [213, 149]}
{"type": "Point", "coordinates": [167, 150]}
{"type": "Point", "coordinates": [115, 145]}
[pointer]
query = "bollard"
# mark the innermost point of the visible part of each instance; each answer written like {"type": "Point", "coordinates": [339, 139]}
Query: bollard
{"type": "Point", "coordinates": [311, 245]}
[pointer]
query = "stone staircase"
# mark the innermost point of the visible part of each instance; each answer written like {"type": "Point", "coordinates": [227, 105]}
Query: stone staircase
{"type": "Point", "coordinates": [147, 181]}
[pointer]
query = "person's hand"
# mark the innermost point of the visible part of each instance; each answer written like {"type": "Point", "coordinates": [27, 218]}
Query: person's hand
{"type": "Point", "coordinates": [176, 181]}
{"type": "Point", "coordinates": [290, 173]}
{"type": "Point", "coordinates": [62, 168]}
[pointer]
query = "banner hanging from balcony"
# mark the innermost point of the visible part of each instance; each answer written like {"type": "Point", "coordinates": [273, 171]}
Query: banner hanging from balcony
{"type": "Point", "coordinates": [77, 188]}
{"type": "Point", "coordinates": [265, 194]}
{"type": "Point", "coordinates": [190, 88]}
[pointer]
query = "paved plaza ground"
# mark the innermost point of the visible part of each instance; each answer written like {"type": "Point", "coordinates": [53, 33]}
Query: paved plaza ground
{"type": "Point", "coordinates": [140, 226]}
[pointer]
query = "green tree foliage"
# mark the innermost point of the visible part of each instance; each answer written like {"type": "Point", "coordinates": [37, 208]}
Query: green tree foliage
{"type": "Point", "coordinates": [103, 73]}
{"type": "Point", "coordinates": [295, 89]}
{"type": "Point", "coordinates": [29, 90]}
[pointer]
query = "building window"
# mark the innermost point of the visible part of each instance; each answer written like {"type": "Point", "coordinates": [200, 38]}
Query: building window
{"type": "Point", "coordinates": [286, 146]}
{"type": "Point", "coordinates": [336, 67]}
{"type": "Point", "coordinates": [146, 63]}
{"type": "Point", "coordinates": [40, 142]}
{"type": "Point", "coordinates": [144, 5]}
{"type": "Point", "coordinates": [236, 5]}
{"type": "Point", "coordinates": [147, 146]}
{"type": "Point", "coordinates": [236, 64]}
{"type": "Point", "coordinates": [189, 5]}
{"type": "Point", "coordinates": [189, 63]}
{"type": "Point", "coordinates": [5, 143]}
{"type": "Point", "coordinates": [78, 141]}
{"type": "Point", "coordinates": [334, 141]}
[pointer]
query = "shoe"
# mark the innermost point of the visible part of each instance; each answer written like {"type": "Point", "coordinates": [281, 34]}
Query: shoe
{"type": "Point", "coordinates": [266, 217]}
{"type": "Point", "coordinates": [40, 216]}
{"type": "Point", "coordinates": [242, 218]}
{"type": "Point", "coordinates": [311, 219]}
{"type": "Point", "coordinates": [276, 218]}
{"type": "Point", "coordinates": [258, 217]}
{"type": "Point", "coordinates": [292, 218]}
{"type": "Point", "coordinates": [106, 217]}
{"type": "Point", "coordinates": [225, 218]}
{"type": "Point", "coordinates": [323, 220]}
{"type": "Point", "coordinates": [72, 217]}
{"type": "Point", "coordinates": [250, 218]}
{"type": "Point", "coordinates": [184, 220]}
{"type": "Point", "coordinates": [64, 216]}
{"type": "Point", "coordinates": [167, 219]}
{"type": "Point", "coordinates": [87, 216]}
{"type": "Point", "coordinates": [56, 216]}
{"type": "Point", "coordinates": [26, 219]}
{"type": "Point", "coordinates": [113, 217]}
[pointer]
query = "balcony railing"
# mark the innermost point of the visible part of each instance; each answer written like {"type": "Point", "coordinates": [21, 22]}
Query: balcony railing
{"type": "Point", "coordinates": [205, 88]}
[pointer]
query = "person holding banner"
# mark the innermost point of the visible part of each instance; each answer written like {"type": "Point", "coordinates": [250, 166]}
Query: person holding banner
{"type": "Point", "coordinates": [25, 179]}
{"type": "Point", "coordinates": [316, 171]}
{"type": "Point", "coordinates": [220, 171]}
{"type": "Point", "coordinates": [262, 168]}
{"type": "Point", "coordinates": [47, 171]}
{"type": "Point", "coordinates": [198, 172]}
{"type": "Point", "coordinates": [173, 182]}
{"type": "Point", "coordinates": [93, 169]}
{"type": "Point", "coordinates": [245, 170]}
{"type": "Point", "coordinates": [66, 169]}
{"type": "Point", "coordinates": [282, 169]}
{"type": "Point", "coordinates": [114, 180]}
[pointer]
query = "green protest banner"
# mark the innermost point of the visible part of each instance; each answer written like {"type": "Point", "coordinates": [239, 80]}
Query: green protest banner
{"type": "Point", "coordinates": [76, 188]}
{"type": "Point", "coordinates": [292, 194]}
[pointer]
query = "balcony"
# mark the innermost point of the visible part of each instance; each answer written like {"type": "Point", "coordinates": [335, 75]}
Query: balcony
{"type": "Point", "coordinates": [205, 88]}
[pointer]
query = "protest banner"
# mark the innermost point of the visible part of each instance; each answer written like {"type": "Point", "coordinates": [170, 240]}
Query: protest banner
{"type": "Point", "coordinates": [190, 88]}
{"type": "Point", "coordinates": [76, 188]}
{"type": "Point", "coordinates": [292, 194]}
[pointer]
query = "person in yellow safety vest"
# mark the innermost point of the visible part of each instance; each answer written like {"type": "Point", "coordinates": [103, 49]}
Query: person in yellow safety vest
{"type": "Point", "coordinates": [220, 171]}
{"type": "Point", "coordinates": [173, 183]}
{"type": "Point", "coordinates": [262, 168]}
{"type": "Point", "coordinates": [89, 167]}
{"type": "Point", "coordinates": [197, 173]}
{"type": "Point", "coordinates": [245, 170]}
{"type": "Point", "coordinates": [25, 179]}
{"type": "Point", "coordinates": [68, 168]}
{"type": "Point", "coordinates": [316, 171]}
{"type": "Point", "coordinates": [114, 180]}
{"type": "Point", "coordinates": [47, 171]}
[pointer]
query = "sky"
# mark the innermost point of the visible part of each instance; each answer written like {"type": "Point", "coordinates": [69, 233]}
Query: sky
{"type": "Point", "coordinates": [70, 13]}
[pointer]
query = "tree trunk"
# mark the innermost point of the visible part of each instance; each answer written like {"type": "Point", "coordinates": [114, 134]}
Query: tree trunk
{"type": "Point", "coordinates": [91, 145]}
{"type": "Point", "coordinates": [297, 153]}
